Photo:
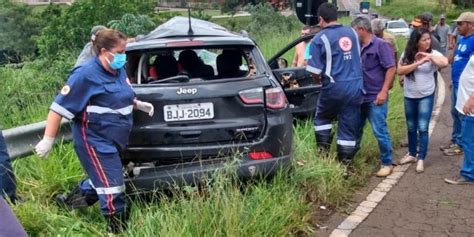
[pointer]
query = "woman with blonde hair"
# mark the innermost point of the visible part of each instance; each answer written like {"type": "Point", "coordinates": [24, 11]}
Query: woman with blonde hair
{"type": "Point", "coordinates": [99, 100]}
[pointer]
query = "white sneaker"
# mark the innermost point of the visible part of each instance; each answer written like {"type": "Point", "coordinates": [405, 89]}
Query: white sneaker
{"type": "Point", "coordinates": [407, 159]}
{"type": "Point", "coordinates": [419, 166]}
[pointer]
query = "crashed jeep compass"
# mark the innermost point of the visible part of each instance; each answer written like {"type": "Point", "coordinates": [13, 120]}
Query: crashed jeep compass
{"type": "Point", "coordinates": [216, 102]}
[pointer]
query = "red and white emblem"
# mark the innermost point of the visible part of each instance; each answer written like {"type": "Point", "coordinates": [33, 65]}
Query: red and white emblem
{"type": "Point", "coordinates": [345, 43]}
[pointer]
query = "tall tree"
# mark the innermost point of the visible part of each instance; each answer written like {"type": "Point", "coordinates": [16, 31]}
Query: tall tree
{"type": "Point", "coordinates": [72, 28]}
{"type": "Point", "coordinates": [18, 27]}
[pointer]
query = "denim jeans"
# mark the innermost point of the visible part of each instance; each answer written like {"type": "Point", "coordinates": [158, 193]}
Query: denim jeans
{"type": "Point", "coordinates": [418, 115]}
{"type": "Point", "coordinates": [467, 167]}
{"type": "Point", "coordinates": [377, 116]}
{"type": "Point", "coordinates": [457, 117]}
{"type": "Point", "coordinates": [7, 178]}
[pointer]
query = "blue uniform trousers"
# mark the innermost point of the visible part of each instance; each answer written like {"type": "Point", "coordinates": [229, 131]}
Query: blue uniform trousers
{"type": "Point", "coordinates": [339, 101]}
{"type": "Point", "coordinates": [7, 177]}
{"type": "Point", "coordinates": [105, 183]}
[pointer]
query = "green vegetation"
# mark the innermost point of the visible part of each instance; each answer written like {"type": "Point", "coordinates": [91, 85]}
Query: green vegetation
{"type": "Point", "coordinates": [399, 9]}
{"type": "Point", "coordinates": [283, 206]}
{"type": "Point", "coordinates": [280, 207]}
{"type": "Point", "coordinates": [133, 25]}
{"type": "Point", "coordinates": [27, 92]}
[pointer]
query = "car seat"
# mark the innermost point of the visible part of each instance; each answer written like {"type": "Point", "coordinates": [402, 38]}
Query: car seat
{"type": "Point", "coordinates": [166, 66]}
{"type": "Point", "coordinates": [228, 64]}
{"type": "Point", "coordinates": [193, 65]}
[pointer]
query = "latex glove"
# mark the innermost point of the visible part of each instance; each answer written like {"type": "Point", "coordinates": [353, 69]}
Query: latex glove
{"type": "Point", "coordinates": [145, 107]}
{"type": "Point", "coordinates": [44, 146]}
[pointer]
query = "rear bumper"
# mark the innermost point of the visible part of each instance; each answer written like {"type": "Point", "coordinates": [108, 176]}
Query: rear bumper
{"type": "Point", "coordinates": [277, 140]}
{"type": "Point", "coordinates": [192, 173]}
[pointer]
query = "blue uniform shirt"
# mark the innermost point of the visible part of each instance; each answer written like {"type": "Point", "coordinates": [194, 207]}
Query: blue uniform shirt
{"type": "Point", "coordinates": [99, 102]}
{"type": "Point", "coordinates": [464, 50]}
{"type": "Point", "coordinates": [335, 53]}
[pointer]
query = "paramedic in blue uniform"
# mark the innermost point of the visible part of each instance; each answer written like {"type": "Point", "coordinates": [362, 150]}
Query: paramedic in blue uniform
{"type": "Point", "coordinates": [335, 62]}
{"type": "Point", "coordinates": [99, 99]}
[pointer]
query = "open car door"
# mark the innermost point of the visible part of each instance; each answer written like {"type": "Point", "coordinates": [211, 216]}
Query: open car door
{"type": "Point", "coordinates": [299, 86]}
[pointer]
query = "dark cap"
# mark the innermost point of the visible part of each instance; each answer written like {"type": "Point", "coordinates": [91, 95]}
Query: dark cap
{"type": "Point", "coordinates": [426, 17]}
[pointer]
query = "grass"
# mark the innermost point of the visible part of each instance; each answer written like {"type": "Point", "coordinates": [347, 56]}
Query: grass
{"type": "Point", "coordinates": [27, 92]}
{"type": "Point", "coordinates": [398, 9]}
{"type": "Point", "coordinates": [283, 206]}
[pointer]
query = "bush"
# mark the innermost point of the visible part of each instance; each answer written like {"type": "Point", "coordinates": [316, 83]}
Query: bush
{"type": "Point", "coordinates": [18, 28]}
{"type": "Point", "coordinates": [132, 25]}
{"type": "Point", "coordinates": [267, 21]}
{"type": "Point", "coordinates": [27, 92]}
{"type": "Point", "coordinates": [71, 29]}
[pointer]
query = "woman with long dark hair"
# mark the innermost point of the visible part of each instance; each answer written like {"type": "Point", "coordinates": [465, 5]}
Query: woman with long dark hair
{"type": "Point", "coordinates": [417, 68]}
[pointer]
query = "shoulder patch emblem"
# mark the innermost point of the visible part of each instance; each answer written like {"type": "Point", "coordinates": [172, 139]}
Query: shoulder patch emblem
{"type": "Point", "coordinates": [345, 43]}
{"type": "Point", "coordinates": [65, 90]}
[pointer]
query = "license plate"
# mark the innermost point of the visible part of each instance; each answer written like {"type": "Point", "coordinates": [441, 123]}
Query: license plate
{"type": "Point", "coordinates": [184, 112]}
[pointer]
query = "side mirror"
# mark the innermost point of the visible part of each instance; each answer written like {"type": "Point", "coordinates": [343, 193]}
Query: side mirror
{"type": "Point", "coordinates": [282, 63]}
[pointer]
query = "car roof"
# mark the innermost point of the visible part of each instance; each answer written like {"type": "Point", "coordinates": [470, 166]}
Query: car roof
{"type": "Point", "coordinates": [396, 21]}
{"type": "Point", "coordinates": [175, 32]}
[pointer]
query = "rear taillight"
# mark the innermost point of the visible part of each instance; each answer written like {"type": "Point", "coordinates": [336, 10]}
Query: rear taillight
{"type": "Point", "coordinates": [260, 155]}
{"type": "Point", "coordinates": [275, 98]}
{"type": "Point", "coordinates": [252, 96]}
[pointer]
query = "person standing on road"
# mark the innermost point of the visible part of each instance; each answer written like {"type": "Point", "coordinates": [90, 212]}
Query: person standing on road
{"type": "Point", "coordinates": [298, 58]}
{"type": "Point", "coordinates": [378, 29]}
{"type": "Point", "coordinates": [453, 38]}
{"type": "Point", "coordinates": [88, 50]}
{"type": "Point", "coordinates": [7, 177]}
{"type": "Point", "coordinates": [99, 99]}
{"type": "Point", "coordinates": [418, 64]}
{"type": "Point", "coordinates": [335, 61]}
{"type": "Point", "coordinates": [378, 67]}
{"type": "Point", "coordinates": [465, 106]}
{"type": "Point", "coordinates": [464, 49]}
{"type": "Point", "coordinates": [442, 30]}
{"type": "Point", "coordinates": [424, 21]}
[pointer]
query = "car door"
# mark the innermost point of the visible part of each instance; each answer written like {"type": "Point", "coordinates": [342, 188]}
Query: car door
{"type": "Point", "coordinates": [300, 88]}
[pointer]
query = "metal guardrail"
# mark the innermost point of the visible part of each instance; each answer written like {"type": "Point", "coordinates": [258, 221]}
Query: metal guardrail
{"type": "Point", "coordinates": [21, 140]}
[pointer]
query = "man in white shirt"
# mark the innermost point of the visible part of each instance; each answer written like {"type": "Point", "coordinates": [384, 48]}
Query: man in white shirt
{"type": "Point", "coordinates": [465, 106]}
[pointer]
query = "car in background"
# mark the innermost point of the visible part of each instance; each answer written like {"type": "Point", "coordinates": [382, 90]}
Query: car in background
{"type": "Point", "coordinates": [218, 104]}
{"type": "Point", "coordinates": [398, 28]}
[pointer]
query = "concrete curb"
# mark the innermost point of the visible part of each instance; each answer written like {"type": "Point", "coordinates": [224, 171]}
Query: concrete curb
{"type": "Point", "coordinates": [380, 191]}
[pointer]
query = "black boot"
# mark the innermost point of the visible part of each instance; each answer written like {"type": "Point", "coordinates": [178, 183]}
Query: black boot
{"type": "Point", "coordinates": [323, 142]}
{"type": "Point", "coordinates": [117, 222]}
{"type": "Point", "coordinates": [74, 199]}
{"type": "Point", "coordinates": [345, 154]}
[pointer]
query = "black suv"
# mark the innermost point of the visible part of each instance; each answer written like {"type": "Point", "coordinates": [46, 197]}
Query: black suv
{"type": "Point", "coordinates": [216, 102]}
